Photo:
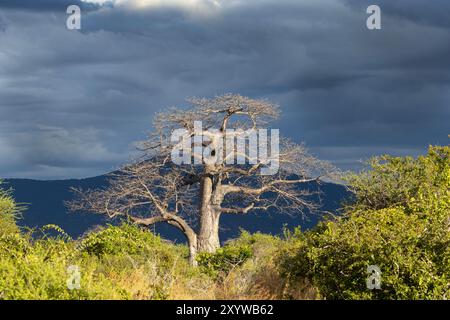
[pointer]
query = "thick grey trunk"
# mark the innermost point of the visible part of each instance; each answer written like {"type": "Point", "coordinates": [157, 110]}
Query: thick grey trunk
{"type": "Point", "coordinates": [193, 254]}
{"type": "Point", "coordinates": [208, 236]}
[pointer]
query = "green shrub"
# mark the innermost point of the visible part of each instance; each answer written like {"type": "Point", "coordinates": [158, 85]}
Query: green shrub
{"type": "Point", "coordinates": [123, 239]}
{"type": "Point", "coordinates": [123, 262]}
{"type": "Point", "coordinates": [8, 213]}
{"type": "Point", "coordinates": [403, 181]}
{"type": "Point", "coordinates": [248, 251]}
{"type": "Point", "coordinates": [399, 222]}
{"type": "Point", "coordinates": [224, 259]}
{"type": "Point", "coordinates": [38, 270]}
{"type": "Point", "coordinates": [127, 240]}
{"type": "Point", "coordinates": [335, 257]}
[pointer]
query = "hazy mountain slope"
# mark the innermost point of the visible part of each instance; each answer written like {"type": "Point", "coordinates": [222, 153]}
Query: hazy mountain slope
{"type": "Point", "coordinates": [45, 203]}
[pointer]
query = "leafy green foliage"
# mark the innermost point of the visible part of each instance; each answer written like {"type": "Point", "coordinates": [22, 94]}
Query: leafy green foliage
{"type": "Point", "coordinates": [262, 246]}
{"type": "Point", "coordinates": [8, 212]}
{"type": "Point", "coordinates": [38, 270]}
{"type": "Point", "coordinates": [248, 251]}
{"type": "Point", "coordinates": [118, 262]}
{"type": "Point", "coordinates": [223, 260]}
{"type": "Point", "coordinates": [399, 222]}
{"type": "Point", "coordinates": [130, 240]}
{"type": "Point", "coordinates": [403, 181]}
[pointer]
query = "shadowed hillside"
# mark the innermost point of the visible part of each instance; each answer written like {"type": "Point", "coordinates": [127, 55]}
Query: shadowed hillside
{"type": "Point", "coordinates": [45, 205]}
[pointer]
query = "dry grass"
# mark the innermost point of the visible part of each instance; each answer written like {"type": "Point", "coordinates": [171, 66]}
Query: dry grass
{"type": "Point", "coordinates": [243, 283]}
{"type": "Point", "coordinates": [248, 282]}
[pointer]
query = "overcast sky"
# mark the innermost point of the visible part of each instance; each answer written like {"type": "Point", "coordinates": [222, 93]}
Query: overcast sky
{"type": "Point", "coordinates": [73, 102]}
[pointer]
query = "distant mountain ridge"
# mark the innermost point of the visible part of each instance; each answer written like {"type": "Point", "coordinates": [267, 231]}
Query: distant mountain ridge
{"type": "Point", "coordinates": [45, 205]}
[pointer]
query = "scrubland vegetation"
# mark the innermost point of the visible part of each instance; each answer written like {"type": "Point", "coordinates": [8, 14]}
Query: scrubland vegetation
{"type": "Point", "coordinates": [398, 220]}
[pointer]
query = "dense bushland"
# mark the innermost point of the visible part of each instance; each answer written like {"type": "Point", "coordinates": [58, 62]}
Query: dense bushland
{"type": "Point", "coordinates": [117, 262]}
{"type": "Point", "coordinates": [399, 220]}
{"type": "Point", "coordinates": [128, 262]}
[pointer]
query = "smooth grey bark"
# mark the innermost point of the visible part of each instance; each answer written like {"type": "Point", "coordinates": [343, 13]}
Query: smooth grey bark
{"type": "Point", "coordinates": [208, 236]}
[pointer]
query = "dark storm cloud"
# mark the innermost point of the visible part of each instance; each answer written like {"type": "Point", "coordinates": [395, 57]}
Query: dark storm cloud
{"type": "Point", "coordinates": [435, 13]}
{"type": "Point", "coordinates": [71, 103]}
{"type": "Point", "coordinates": [48, 5]}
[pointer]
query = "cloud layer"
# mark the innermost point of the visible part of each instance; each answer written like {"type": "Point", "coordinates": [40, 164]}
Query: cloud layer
{"type": "Point", "coordinates": [72, 102]}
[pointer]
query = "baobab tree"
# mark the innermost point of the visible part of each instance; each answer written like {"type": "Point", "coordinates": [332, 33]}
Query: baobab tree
{"type": "Point", "coordinates": [201, 162]}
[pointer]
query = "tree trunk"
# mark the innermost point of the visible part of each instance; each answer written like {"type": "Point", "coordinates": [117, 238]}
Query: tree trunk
{"type": "Point", "coordinates": [193, 254]}
{"type": "Point", "coordinates": [208, 236]}
{"type": "Point", "coordinates": [207, 240]}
